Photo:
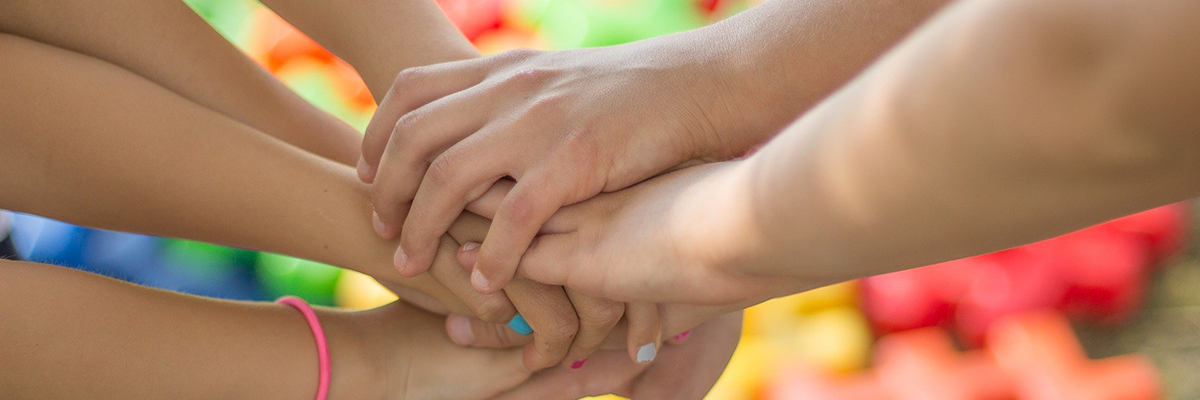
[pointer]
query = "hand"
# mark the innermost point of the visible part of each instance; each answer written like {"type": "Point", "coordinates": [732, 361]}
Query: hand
{"type": "Point", "coordinates": [565, 125]}
{"type": "Point", "coordinates": [676, 238]}
{"type": "Point", "coordinates": [597, 323]}
{"type": "Point", "coordinates": [399, 352]}
{"type": "Point", "coordinates": [686, 370]}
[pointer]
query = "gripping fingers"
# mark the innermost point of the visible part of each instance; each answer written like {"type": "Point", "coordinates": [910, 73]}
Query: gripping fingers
{"type": "Point", "coordinates": [445, 191]}
{"type": "Point", "coordinates": [529, 205]}
{"type": "Point", "coordinates": [550, 313]}
{"type": "Point", "coordinates": [418, 137]}
{"type": "Point", "coordinates": [597, 318]}
{"type": "Point", "coordinates": [412, 88]}
{"type": "Point", "coordinates": [487, 307]}
{"type": "Point", "coordinates": [645, 331]}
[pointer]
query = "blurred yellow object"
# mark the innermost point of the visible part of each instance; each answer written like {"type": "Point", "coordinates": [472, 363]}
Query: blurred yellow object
{"type": "Point", "coordinates": [779, 317]}
{"type": "Point", "coordinates": [750, 368]}
{"type": "Point", "coordinates": [836, 340]}
{"type": "Point", "coordinates": [356, 291]}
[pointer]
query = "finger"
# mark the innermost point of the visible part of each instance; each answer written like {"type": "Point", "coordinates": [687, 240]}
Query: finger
{"type": "Point", "coordinates": [494, 307]}
{"type": "Point", "coordinates": [563, 221]}
{"type": "Point", "coordinates": [413, 88]}
{"type": "Point", "coordinates": [530, 203]}
{"type": "Point", "coordinates": [550, 313]}
{"type": "Point", "coordinates": [419, 136]}
{"type": "Point", "coordinates": [611, 374]}
{"type": "Point", "coordinates": [597, 318]}
{"type": "Point", "coordinates": [467, 331]}
{"type": "Point", "coordinates": [455, 178]}
{"type": "Point", "coordinates": [551, 259]}
{"type": "Point", "coordinates": [696, 366]}
{"type": "Point", "coordinates": [645, 331]}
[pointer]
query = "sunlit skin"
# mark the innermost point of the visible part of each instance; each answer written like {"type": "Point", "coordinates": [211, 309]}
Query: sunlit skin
{"type": "Point", "coordinates": [568, 125]}
{"type": "Point", "coordinates": [997, 124]}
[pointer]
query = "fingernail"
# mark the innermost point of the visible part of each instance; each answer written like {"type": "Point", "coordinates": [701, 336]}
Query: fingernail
{"type": "Point", "coordinates": [460, 330]}
{"type": "Point", "coordinates": [578, 364]}
{"type": "Point", "coordinates": [470, 246]}
{"type": "Point", "coordinates": [401, 259]}
{"type": "Point", "coordinates": [480, 281]}
{"type": "Point", "coordinates": [646, 353]}
{"type": "Point", "coordinates": [519, 325]}
{"type": "Point", "coordinates": [364, 170]}
{"type": "Point", "coordinates": [380, 228]}
{"type": "Point", "coordinates": [683, 335]}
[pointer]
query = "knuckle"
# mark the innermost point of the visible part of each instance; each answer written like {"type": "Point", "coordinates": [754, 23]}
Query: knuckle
{"type": "Point", "coordinates": [518, 54]}
{"type": "Point", "coordinates": [520, 208]}
{"type": "Point", "coordinates": [546, 106]}
{"type": "Point", "coordinates": [408, 121]}
{"type": "Point", "coordinates": [406, 78]}
{"type": "Point", "coordinates": [493, 309]}
{"type": "Point", "coordinates": [603, 314]}
{"type": "Point", "coordinates": [532, 76]}
{"type": "Point", "coordinates": [443, 168]}
{"type": "Point", "coordinates": [563, 329]}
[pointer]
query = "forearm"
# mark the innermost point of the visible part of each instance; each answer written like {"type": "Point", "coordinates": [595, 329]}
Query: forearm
{"type": "Point", "coordinates": [70, 334]}
{"type": "Point", "coordinates": [168, 44]}
{"type": "Point", "coordinates": [1000, 123]}
{"type": "Point", "coordinates": [784, 56]}
{"type": "Point", "coordinates": [173, 168]}
{"type": "Point", "coordinates": [379, 38]}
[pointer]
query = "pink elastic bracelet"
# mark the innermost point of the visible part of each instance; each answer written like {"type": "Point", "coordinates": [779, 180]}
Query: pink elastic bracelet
{"type": "Point", "coordinates": [319, 335]}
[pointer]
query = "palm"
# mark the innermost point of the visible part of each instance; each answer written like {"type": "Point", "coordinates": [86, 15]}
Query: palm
{"type": "Point", "coordinates": [681, 372]}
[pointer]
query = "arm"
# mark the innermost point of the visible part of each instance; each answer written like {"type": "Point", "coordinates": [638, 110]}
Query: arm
{"type": "Point", "coordinates": [70, 334]}
{"type": "Point", "coordinates": [378, 39]}
{"type": "Point", "coordinates": [168, 44]}
{"type": "Point", "coordinates": [568, 125]}
{"type": "Point", "coordinates": [93, 144]}
{"type": "Point", "coordinates": [999, 123]}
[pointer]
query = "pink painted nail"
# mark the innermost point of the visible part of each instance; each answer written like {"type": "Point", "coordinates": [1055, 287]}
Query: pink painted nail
{"type": "Point", "coordinates": [683, 335]}
{"type": "Point", "coordinates": [578, 364]}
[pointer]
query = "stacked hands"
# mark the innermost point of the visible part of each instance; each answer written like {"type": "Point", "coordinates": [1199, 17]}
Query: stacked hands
{"type": "Point", "coordinates": [539, 163]}
{"type": "Point", "coordinates": [589, 205]}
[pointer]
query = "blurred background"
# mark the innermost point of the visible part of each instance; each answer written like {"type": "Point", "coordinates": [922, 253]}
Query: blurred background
{"type": "Point", "coordinates": [1110, 312]}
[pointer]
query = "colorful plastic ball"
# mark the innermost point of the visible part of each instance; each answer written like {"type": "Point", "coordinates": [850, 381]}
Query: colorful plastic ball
{"type": "Point", "coordinates": [283, 275]}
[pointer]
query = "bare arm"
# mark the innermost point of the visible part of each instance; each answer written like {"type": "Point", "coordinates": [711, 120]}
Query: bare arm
{"type": "Point", "coordinates": [90, 143]}
{"type": "Point", "coordinates": [379, 38]}
{"type": "Point", "coordinates": [70, 334]}
{"type": "Point", "coordinates": [168, 44]}
{"type": "Point", "coordinates": [999, 123]}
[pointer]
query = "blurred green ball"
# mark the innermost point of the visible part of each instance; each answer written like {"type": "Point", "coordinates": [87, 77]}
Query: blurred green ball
{"type": "Point", "coordinates": [311, 281]}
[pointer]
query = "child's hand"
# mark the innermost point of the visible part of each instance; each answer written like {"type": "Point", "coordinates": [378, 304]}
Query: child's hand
{"type": "Point", "coordinates": [676, 238]}
{"type": "Point", "coordinates": [565, 125]}
{"type": "Point", "coordinates": [686, 369]}
{"type": "Point", "coordinates": [401, 353]}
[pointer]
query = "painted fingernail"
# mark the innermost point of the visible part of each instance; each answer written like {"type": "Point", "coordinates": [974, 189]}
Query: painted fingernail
{"type": "Point", "coordinates": [401, 259]}
{"type": "Point", "coordinates": [578, 364]}
{"type": "Point", "coordinates": [518, 325]}
{"type": "Point", "coordinates": [470, 246]}
{"type": "Point", "coordinates": [479, 281]}
{"type": "Point", "coordinates": [460, 330]}
{"type": "Point", "coordinates": [646, 353]}
{"type": "Point", "coordinates": [683, 335]}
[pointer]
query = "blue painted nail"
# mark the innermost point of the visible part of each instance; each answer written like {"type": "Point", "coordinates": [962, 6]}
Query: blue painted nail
{"type": "Point", "coordinates": [519, 325]}
{"type": "Point", "coordinates": [646, 353]}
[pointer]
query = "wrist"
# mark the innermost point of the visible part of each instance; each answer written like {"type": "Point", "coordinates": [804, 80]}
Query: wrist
{"type": "Point", "coordinates": [357, 370]}
{"type": "Point", "coordinates": [753, 101]}
{"type": "Point", "coordinates": [729, 244]}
